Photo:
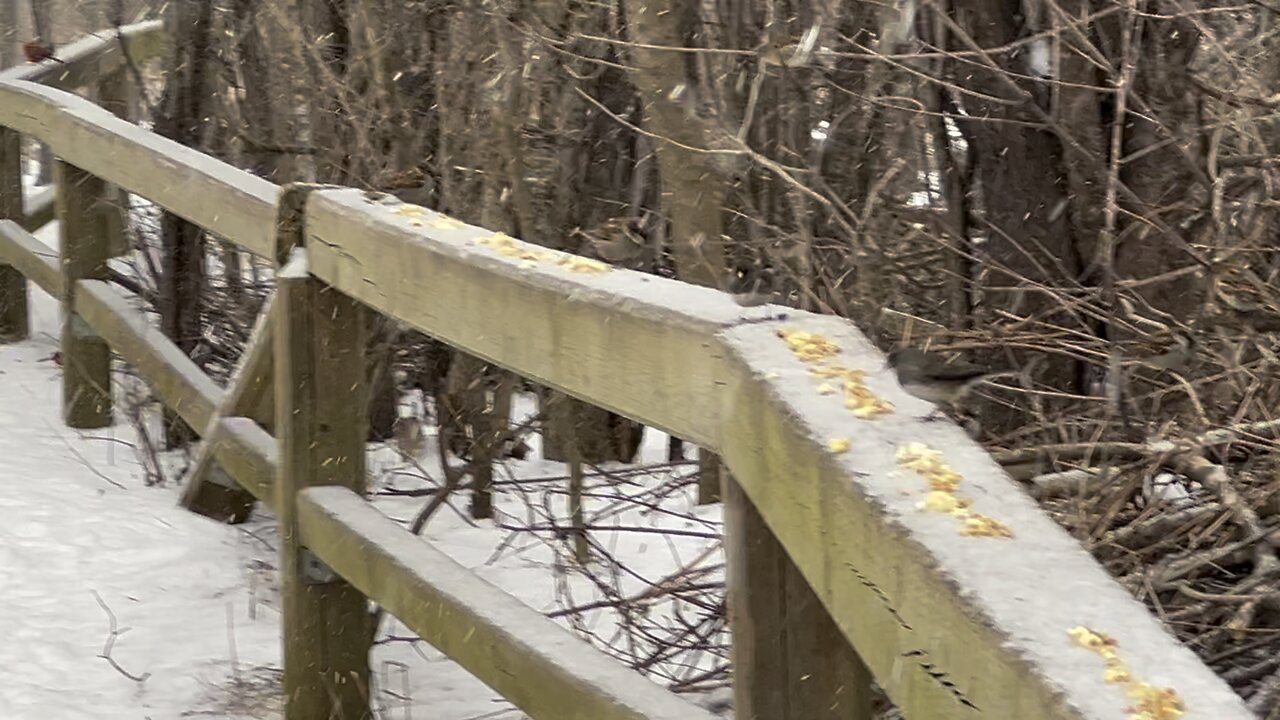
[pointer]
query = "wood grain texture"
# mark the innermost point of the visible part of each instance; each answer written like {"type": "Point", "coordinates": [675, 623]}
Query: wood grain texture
{"type": "Point", "coordinates": [14, 321]}
{"type": "Point", "coordinates": [639, 345]}
{"type": "Point", "coordinates": [790, 660]}
{"type": "Point", "coordinates": [86, 357]}
{"type": "Point", "coordinates": [248, 394]}
{"type": "Point", "coordinates": [533, 662]}
{"type": "Point", "coordinates": [219, 197]}
{"type": "Point", "coordinates": [951, 627]}
{"type": "Point", "coordinates": [320, 420]}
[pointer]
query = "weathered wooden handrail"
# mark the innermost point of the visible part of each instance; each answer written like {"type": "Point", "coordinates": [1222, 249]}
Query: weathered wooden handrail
{"type": "Point", "coordinates": [93, 57]}
{"type": "Point", "coordinates": [245, 450]}
{"type": "Point", "coordinates": [526, 657]}
{"type": "Point", "coordinates": [224, 200]}
{"type": "Point", "coordinates": [950, 625]}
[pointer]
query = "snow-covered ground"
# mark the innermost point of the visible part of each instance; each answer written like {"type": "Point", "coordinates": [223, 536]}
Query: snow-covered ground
{"type": "Point", "coordinates": [85, 543]}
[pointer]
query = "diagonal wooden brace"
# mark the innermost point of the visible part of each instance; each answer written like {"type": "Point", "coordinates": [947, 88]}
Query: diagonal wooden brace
{"type": "Point", "coordinates": [210, 491]}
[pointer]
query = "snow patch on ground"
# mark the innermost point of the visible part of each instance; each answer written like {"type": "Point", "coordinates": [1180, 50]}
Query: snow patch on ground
{"type": "Point", "coordinates": [195, 601]}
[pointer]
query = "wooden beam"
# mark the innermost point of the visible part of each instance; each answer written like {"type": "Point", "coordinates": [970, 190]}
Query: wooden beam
{"type": "Point", "coordinates": [790, 661]}
{"type": "Point", "coordinates": [530, 660]}
{"type": "Point", "coordinates": [639, 345]}
{"type": "Point", "coordinates": [38, 209]}
{"type": "Point", "coordinates": [14, 320]}
{"type": "Point", "coordinates": [94, 56]}
{"type": "Point", "coordinates": [222, 199]}
{"type": "Point", "coordinates": [240, 445]}
{"type": "Point", "coordinates": [249, 455]}
{"type": "Point", "coordinates": [320, 418]}
{"type": "Point", "coordinates": [176, 380]}
{"type": "Point", "coordinates": [36, 261]}
{"type": "Point", "coordinates": [951, 625]}
{"type": "Point", "coordinates": [248, 387]}
{"type": "Point", "coordinates": [86, 357]}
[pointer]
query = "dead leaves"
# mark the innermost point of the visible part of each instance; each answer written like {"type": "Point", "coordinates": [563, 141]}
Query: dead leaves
{"type": "Point", "coordinates": [1150, 702]}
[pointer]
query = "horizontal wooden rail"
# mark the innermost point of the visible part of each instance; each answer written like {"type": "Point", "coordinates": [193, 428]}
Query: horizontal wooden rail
{"type": "Point", "coordinates": [224, 200]}
{"type": "Point", "coordinates": [951, 626]}
{"type": "Point", "coordinates": [37, 261]}
{"type": "Point", "coordinates": [643, 345]}
{"type": "Point", "coordinates": [93, 57]}
{"type": "Point", "coordinates": [178, 381]}
{"type": "Point", "coordinates": [249, 455]}
{"type": "Point", "coordinates": [242, 447]}
{"type": "Point", "coordinates": [512, 648]}
{"type": "Point", "coordinates": [560, 675]}
{"type": "Point", "coordinates": [536, 664]}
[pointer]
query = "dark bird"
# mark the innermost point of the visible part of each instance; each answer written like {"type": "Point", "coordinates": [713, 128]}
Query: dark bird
{"type": "Point", "coordinates": [35, 53]}
{"type": "Point", "coordinates": [932, 378]}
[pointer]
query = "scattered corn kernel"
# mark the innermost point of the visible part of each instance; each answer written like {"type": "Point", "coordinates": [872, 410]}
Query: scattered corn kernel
{"type": "Point", "coordinates": [1151, 703]}
{"type": "Point", "coordinates": [938, 501]}
{"type": "Point", "coordinates": [943, 496]}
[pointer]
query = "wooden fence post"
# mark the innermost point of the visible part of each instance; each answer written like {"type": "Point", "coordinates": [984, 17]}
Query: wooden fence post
{"type": "Point", "coordinates": [320, 420]}
{"type": "Point", "coordinates": [709, 471]}
{"type": "Point", "coordinates": [209, 490]}
{"type": "Point", "coordinates": [86, 358]}
{"type": "Point", "coordinates": [14, 321]}
{"type": "Point", "coordinates": [790, 661]}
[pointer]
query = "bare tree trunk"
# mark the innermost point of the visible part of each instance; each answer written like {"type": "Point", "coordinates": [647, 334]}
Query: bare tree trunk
{"type": "Point", "coordinates": [1019, 170]}
{"type": "Point", "coordinates": [261, 105]}
{"type": "Point", "coordinates": [8, 33]}
{"type": "Point", "coordinates": [1165, 177]}
{"type": "Point", "coordinates": [384, 396]}
{"type": "Point", "coordinates": [185, 109]}
{"type": "Point", "coordinates": [492, 426]}
{"type": "Point", "coordinates": [41, 17]}
{"type": "Point", "coordinates": [597, 435]}
{"type": "Point", "coordinates": [577, 516]}
{"type": "Point", "coordinates": [690, 148]}
{"type": "Point", "coordinates": [692, 162]}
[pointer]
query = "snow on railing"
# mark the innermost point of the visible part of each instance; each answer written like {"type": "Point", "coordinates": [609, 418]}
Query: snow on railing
{"type": "Point", "coordinates": [851, 523]}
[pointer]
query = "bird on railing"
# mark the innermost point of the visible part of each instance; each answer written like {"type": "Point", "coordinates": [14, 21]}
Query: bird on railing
{"type": "Point", "coordinates": [932, 378]}
{"type": "Point", "coordinates": [36, 53]}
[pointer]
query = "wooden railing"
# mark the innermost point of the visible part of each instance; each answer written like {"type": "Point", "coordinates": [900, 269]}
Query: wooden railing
{"type": "Point", "coordinates": [837, 574]}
